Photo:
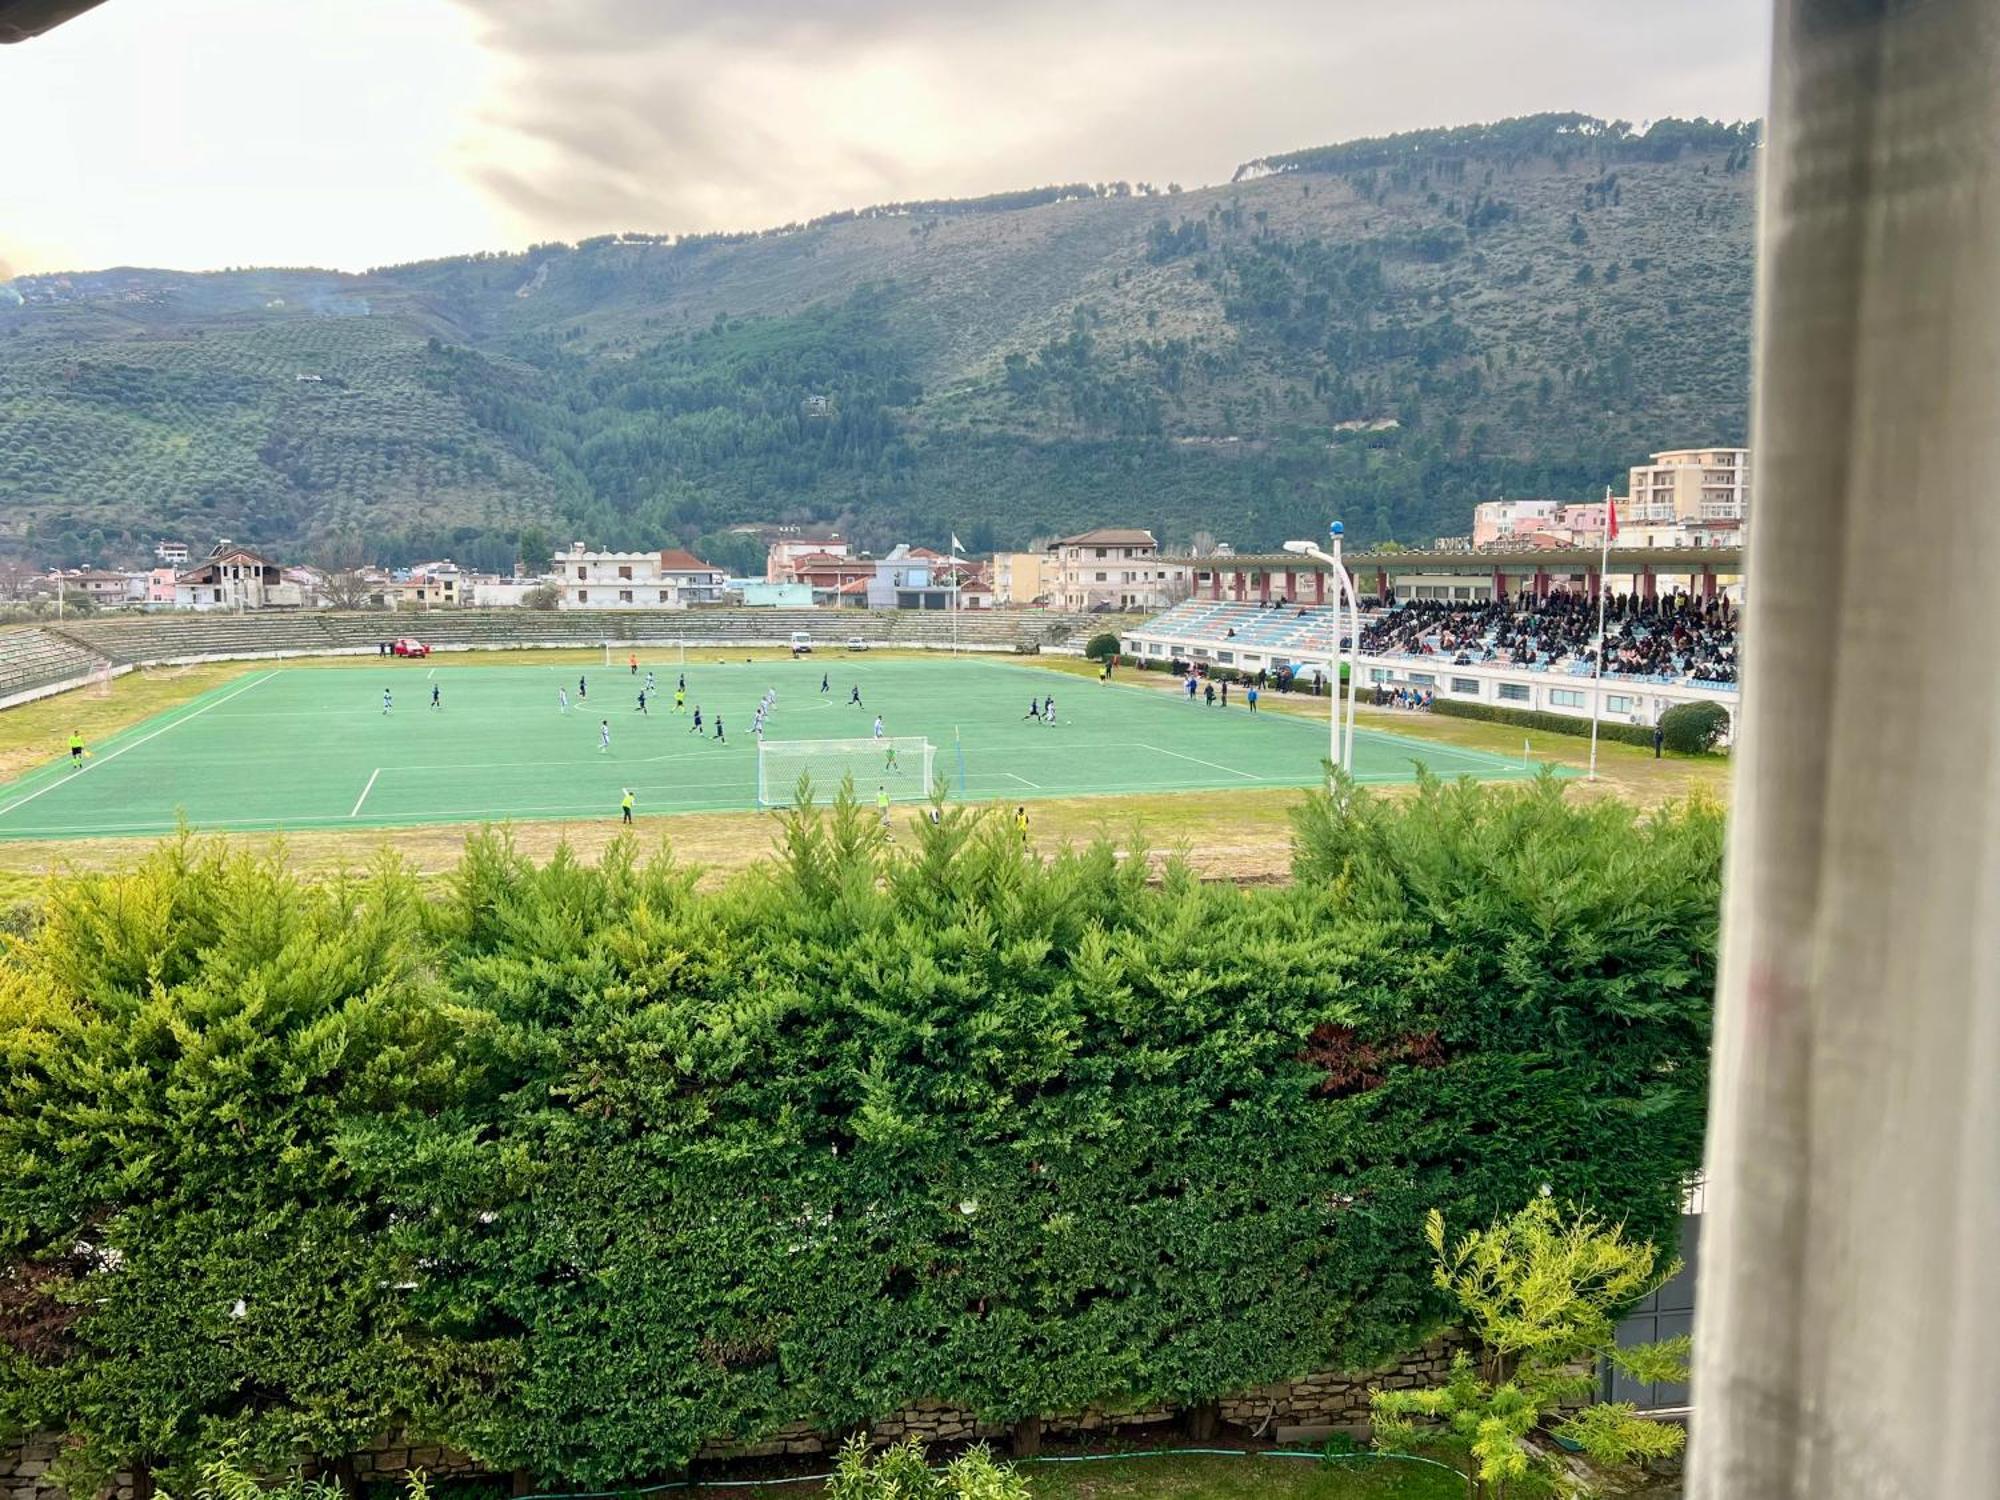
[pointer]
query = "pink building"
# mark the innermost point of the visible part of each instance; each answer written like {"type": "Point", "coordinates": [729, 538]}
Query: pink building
{"type": "Point", "coordinates": [160, 586]}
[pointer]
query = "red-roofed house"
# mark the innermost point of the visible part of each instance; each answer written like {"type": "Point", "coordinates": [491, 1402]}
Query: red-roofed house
{"type": "Point", "coordinates": [672, 578]}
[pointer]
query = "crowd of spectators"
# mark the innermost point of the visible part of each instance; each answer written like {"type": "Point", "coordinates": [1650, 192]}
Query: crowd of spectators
{"type": "Point", "coordinates": [1677, 635]}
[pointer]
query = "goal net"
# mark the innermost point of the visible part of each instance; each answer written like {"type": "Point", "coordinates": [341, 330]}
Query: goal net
{"type": "Point", "coordinates": [646, 653]}
{"type": "Point", "coordinates": [901, 766]}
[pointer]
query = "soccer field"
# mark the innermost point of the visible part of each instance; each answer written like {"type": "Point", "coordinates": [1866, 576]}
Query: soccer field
{"type": "Point", "coordinates": [311, 748]}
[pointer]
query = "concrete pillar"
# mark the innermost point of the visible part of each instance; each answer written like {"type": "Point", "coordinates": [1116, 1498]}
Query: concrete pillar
{"type": "Point", "coordinates": [1708, 583]}
{"type": "Point", "coordinates": [1319, 586]}
{"type": "Point", "coordinates": [1264, 584]}
{"type": "Point", "coordinates": [1381, 583]}
{"type": "Point", "coordinates": [1499, 585]}
{"type": "Point", "coordinates": [1541, 585]}
{"type": "Point", "coordinates": [1648, 583]}
{"type": "Point", "coordinates": [1215, 583]}
{"type": "Point", "coordinates": [1596, 584]}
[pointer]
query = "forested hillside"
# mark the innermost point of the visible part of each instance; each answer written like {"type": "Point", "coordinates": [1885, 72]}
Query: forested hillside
{"type": "Point", "coordinates": [1386, 331]}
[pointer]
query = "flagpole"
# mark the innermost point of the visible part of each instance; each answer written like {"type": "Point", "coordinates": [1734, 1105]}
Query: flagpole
{"type": "Point", "coordinates": [954, 593]}
{"type": "Point", "coordinates": [1603, 594]}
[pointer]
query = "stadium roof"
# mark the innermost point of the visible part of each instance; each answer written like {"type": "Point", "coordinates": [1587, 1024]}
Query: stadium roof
{"type": "Point", "coordinates": [1512, 559]}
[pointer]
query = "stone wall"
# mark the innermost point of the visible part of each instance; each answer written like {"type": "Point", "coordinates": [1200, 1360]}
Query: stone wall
{"type": "Point", "coordinates": [1309, 1406]}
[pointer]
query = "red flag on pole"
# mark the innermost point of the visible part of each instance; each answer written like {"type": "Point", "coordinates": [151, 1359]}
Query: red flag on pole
{"type": "Point", "coordinates": [1610, 518]}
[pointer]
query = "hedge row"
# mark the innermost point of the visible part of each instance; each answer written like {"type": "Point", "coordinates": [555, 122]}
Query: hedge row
{"type": "Point", "coordinates": [1528, 718]}
{"type": "Point", "coordinates": [577, 1167]}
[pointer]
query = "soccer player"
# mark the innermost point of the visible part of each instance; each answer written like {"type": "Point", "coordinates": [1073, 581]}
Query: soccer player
{"type": "Point", "coordinates": [435, 705]}
{"type": "Point", "coordinates": [1034, 709]}
{"type": "Point", "coordinates": [633, 662]}
{"type": "Point", "coordinates": [649, 682]}
{"type": "Point", "coordinates": [582, 688]}
{"type": "Point", "coordinates": [695, 727]}
{"type": "Point", "coordinates": [625, 806]}
{"type": "Point", "coordinates": [75, 750]}
{"type": "Point", "coordinates": [854, 696]}
{"type": "Point", "coordinates": [824, 685]}
{"type": "Point", "coordinates": [386, 702]}
{"type": "Point", "coordinates": [1049, 710]}
{"type": "Point", "coordinates": [680, 700]}
{"type": "Point", "coordinates": [757, 722]}
{"type": "Point", "coordinates": [642, 704]}
{"type": "Point", "coordinates": [878, 726]}
{"type": "Point", "coordinates": [889, 759]}
{"type": "Point", "coordinates": [683, 684]}
{"type": "Point", "coordinates": [562, 699]}
{"type": "Point", "coordinates": [718, 731]}
{"type": "Point", "coordinates": [882, 804]}
{"type": "Point", "coordinates": [1021, 822]}
{"type": "Point", "coordinates": [603, 735]}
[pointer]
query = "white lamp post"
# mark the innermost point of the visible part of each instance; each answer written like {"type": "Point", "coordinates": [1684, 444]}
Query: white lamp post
{"type": "Point", "coordinates": [1342, 745]}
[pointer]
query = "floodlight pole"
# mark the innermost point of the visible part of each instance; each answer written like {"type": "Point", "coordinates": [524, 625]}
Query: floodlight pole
{"type": "Point", "coordinates": [1342, 750]}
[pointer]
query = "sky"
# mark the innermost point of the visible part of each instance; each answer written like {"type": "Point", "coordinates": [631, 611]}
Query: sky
{"type": "Point", "coordinates": [198, 134]}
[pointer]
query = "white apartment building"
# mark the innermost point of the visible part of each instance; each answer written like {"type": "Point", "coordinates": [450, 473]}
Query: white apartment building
{"type": "Point", "coordinates": [1116, 568]}
{"type": "Point", "coordinates": [1687, 486]}
{"type": "Point", "coordinates": [668, 579]}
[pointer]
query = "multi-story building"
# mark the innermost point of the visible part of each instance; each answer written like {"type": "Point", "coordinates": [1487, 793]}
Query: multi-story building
{"type": "Point", "coordinates": [668, 579]}
{"type": "Point", "coordinates": [784, 552]}
{"type": "Point", "coordinates": [1687, 486]}
{"type": "Point", "coordinates": [173, 553]}
{"type": "Point", "coordinates": [234, 577]}
{"type": "Point", "coordinates": [1024, 577]}
{"type": "Point", "coordinates": [1116, 568]}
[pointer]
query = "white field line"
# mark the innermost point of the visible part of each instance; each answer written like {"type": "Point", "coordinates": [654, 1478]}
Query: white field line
{"type": "Point", "coordinates": [1226, 770]}
{"type": "Point", "coordinates": [1022, 779]}
{"type": "Point", "coordinates": [135, 744]}
{"type": "Point", "coordinates": [365, 791]}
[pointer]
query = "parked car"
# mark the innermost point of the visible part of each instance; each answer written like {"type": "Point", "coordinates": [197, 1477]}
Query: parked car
{"type": "Point", "coordinates": [802, 643]}
{"type": "Point", "coordinates": [855, 643]}
{"type": "Point", "coordinates": [405, 646]}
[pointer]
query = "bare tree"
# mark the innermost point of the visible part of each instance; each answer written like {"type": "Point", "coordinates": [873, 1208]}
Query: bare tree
{"type": "Point", "coordinates": [348, 588]}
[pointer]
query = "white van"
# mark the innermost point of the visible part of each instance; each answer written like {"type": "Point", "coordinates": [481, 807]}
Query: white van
{"type": "Point", "coordinates": [802, 643]}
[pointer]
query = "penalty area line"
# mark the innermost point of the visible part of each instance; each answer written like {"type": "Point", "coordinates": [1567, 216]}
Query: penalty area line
{"type": "Point", "coordinates": [1197, 760]}
{"type": "Point", "coordinates": [364, 792]}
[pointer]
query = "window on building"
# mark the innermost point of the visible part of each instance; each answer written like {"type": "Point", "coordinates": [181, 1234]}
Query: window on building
{"type": "Point", "coordinates": [583, 596]}
{"type": "Point", "coordinates": [1101, 578]}
{"type": "Point", "coordinates": [1617, 703]}
{"type": "Point", "coordinates": [624, 570]}
{"type": "Point", "coordinates": [624, 596]}
{"type": "Point", "coordinates": [1466, 685]}
{"type": "Point", "coordinates": [1380, 674]}
{"type": "Point", "coordinates": [1422, 679]}
{"type": "Point", "coordinates": [1103, 552]}
{"type": "Point", "coordinates": [664, 599]}
{"type": "Point", "coordinates": [581, 572]}
{"type": "Point", "coordinates": [1512, 692]}
{"type": "Point", "coordinates": [1565, 698]}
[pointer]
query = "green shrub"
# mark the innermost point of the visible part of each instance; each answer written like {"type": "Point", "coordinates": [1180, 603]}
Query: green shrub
{"type": "Point", "coordinates": [902, 1473]}
{"type": "Point", "coordinates": [576, 1168]}
{"type": "Point", "coordinates": [1102, 647]}
{"type": "Point", "coordinates": [1528, 718]}
{"type": "Point", "coordinates": [1693, 728]}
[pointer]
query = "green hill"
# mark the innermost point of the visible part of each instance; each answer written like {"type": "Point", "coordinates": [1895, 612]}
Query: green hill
{"type": "Point", "coordinates": [1385, 331]}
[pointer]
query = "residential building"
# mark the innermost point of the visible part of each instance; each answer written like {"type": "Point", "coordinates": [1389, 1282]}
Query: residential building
{"type": "Point", "coordinates": [234, 577]}
{"type": "Point", "coordinates": [826, 574]}
{"type": "Point", "coordinates": [668, 579]}
{"type": "Point", "coordinates": [1495, 521]}
{"type": "Point", "coordinates": [1116, 568]}
{"type": "Point", "coordinates": [1024, 578]}
{"type": "Point", "coordinates": [174, 554]}
{"type": "Point", "coordinates": [1688, 486]}
{"type": "Point", "coordinates": [160, 585]}
{"type": "Point", "coordinates": [784, 549]}
{"type": "Point", "coordinates": [100, 586]}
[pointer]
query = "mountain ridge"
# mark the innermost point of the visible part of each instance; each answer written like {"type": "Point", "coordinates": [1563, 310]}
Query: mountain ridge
{"type": "Point", "coordinates": [1532, 305]}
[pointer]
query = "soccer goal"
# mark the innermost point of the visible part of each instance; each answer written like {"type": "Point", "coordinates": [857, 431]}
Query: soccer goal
{"type": "Point", "coordinates": [650, 653]}
{"type": "Point", "coordinates": [901, 766]}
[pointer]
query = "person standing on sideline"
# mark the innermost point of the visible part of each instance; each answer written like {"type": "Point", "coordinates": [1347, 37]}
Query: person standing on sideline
{"type": "Point", "coordinates": [1021, 822]}
{"type": "Point", "coordinates": [603, 735]}
{"type": "Point", "coordinates": [1659, 737]}
{"type": "Point", "coordinates": [882, 804]}
{"type": "Point", "coordinates": [75, 750]}
{"type": "Point", "coordinates": [1192, 686]}
{"type": "Point", "coordinates": [625, 807]}
{"type": "Point", "coordinates": [1250, 697]}
{"type": "Point", "coordinates": [1208, 695]}
{"type": "Point", "coordinates": [1225, 692]}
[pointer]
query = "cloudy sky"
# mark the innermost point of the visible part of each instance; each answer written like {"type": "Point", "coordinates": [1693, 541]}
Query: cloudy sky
{"type": "Point", "coordinates": [350, 133]}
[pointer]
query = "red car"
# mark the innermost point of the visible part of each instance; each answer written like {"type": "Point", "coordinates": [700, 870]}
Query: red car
{"type": "Point", "coordinates": [406, 647]}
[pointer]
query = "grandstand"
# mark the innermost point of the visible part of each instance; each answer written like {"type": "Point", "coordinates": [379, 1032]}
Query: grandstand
{"type": "Point", "coordinates": [1520, 652]}
{"type": "Point", "coordinates": [36, 663]}
{"type": "Point", "coordinates": [141, 639]}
